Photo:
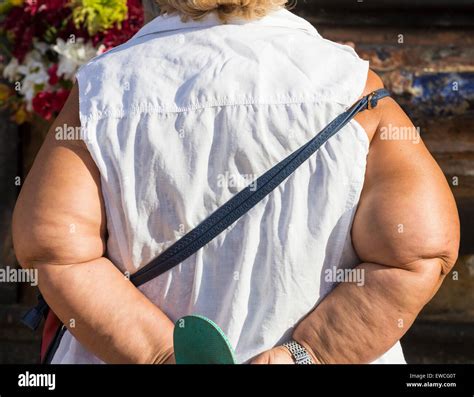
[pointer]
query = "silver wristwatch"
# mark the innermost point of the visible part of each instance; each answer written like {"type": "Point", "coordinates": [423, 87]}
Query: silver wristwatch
{"type": "Point", "coordinates": [299, 353]}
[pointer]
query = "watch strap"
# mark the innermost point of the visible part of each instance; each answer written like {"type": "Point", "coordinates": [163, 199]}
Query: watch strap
{"type": "Point", "coordinates": [298, 352]}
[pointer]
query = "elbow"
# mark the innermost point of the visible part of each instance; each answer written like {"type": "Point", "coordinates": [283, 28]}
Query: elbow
{"type": "Point", "coordinates": [28, 239]}
{"type": "Point", "coordinates": [443, 251]}
{"type": "Point", "coordinates": [429, 261]}
{"type": "Point", "coordinates": [37, 242]}
{"type": "Point", "coordinates": [441, 239]}
{"type": "Point", "coordinates": [428, 276]}
{"type": "Point", "coordinates": [20, 240]}
{"type": "Point", "coordinates": [447, 262]}
{"type": "Point", "coordinates": [434, 251]}
{"type": "Point", "coordinates": [47, 240]}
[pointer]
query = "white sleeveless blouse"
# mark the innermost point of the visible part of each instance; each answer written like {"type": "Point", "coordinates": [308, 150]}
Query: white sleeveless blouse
{"type": "Point", "coordinates": [182, 117]}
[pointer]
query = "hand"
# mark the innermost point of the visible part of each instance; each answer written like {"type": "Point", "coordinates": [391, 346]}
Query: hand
{"type": "Point", "coordinates": [277, 355]}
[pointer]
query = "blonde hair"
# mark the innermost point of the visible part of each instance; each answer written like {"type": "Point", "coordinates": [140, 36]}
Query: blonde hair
{"type": "Point", "coordinates": [225, 9]}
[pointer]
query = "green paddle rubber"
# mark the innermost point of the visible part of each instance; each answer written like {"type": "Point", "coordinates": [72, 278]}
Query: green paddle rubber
{"type": "Point", "coordinates": [198, 340]}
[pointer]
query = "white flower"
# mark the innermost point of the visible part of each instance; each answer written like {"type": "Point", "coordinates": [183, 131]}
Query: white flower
{"type": "Point", "coordinates": [72, 55]}
{"type": "Point", "coordinates": [10, 72]}
{"type": "Point", "coordinates": [34, 72]}
{"type": "Point", "coordinates": [29, 84]}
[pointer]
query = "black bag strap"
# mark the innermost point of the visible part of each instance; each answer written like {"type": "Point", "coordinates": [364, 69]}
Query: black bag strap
{"type": "Point", "coordinates": [246, 199]}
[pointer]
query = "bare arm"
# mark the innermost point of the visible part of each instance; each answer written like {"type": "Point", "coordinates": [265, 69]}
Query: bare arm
{"type": "Point", "coordinates": [59, 229]}
{"type": "Point", "coordinates": [406, 233]}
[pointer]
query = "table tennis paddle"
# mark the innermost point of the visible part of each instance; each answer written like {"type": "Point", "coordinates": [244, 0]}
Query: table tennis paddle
{"type": "Point", "coordinates": [198, 340]}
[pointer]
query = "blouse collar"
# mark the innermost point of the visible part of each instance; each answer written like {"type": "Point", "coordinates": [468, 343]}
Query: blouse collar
{"type": "Point", "coordinates": [280, 18]}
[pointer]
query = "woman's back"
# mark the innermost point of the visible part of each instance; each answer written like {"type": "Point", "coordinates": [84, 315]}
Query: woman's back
{"type": "Point", "coordinates": [185, 115]}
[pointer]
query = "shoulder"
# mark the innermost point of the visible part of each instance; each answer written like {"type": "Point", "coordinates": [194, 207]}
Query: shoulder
{"type": "Point", "coordinates": [374, 83]}
{"type": "Point", "coordinates": [101, 67]}
{"type": "Point", "coordinates": [370, 120]}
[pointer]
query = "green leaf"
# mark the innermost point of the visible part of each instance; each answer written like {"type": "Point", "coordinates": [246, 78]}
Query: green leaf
{"type": "Point", "coordinates": [98, 15]}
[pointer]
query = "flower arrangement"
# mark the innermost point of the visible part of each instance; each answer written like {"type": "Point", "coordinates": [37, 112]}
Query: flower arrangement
{"type": "Point", "coordinates": [44, 42]}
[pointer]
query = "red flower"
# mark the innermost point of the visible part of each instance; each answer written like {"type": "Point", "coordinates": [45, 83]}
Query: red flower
{"type": "Point", "coordinates": [53, 74]}
{"type": "Point", "coordinates": [33, 20]}
{"type": "Point", "coordinates": [49, 104]}
{"type": "Point", "coordinates": [42, 104]}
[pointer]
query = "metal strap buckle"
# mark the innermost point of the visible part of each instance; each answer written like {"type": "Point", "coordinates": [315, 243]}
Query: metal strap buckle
{"type": "Point", "coordinates": [370, 98]}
